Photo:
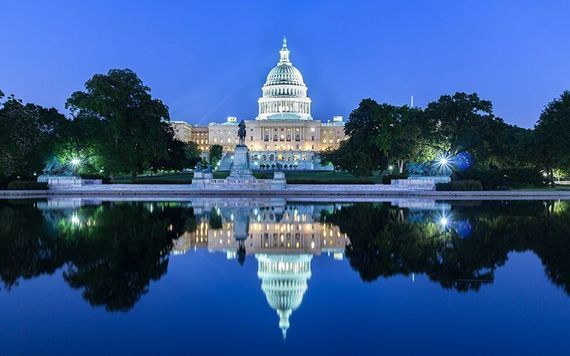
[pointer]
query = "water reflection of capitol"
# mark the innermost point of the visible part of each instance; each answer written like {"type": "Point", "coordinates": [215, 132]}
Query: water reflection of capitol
{"type": "Point", "coordinates": [282, 237]}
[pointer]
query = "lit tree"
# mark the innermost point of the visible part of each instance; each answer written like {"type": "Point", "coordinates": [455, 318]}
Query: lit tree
{"type": "Point", "coordinates": [136, 132]}
{"type": "Point", "coordinates": [552, 133]}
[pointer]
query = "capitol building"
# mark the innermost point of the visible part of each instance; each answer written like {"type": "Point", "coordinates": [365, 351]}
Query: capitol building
{"type": "Point", "coordinates": [284, 134]}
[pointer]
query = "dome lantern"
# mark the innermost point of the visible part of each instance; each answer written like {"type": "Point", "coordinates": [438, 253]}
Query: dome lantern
{"type": "Point", "coordinates": [284, 52]}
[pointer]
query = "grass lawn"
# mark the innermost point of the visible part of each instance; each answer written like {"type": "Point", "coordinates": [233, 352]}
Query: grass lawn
{"type": "Point", "coordinates": [292, 178]}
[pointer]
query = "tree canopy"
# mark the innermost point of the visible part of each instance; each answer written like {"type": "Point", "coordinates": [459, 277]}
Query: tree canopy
{"type": "Point", "coordinates": [464, 124]}
{"type": "Point", "coordinates": [27, 135]}
{"type": "Point", "coordinates": [135, 134]}
{"type": "Point", "coordinates": [368, 128]}
{"type": "Point", "coordinates": [552, 139]}
{"type": "Point", "coordinates": [215, 154]}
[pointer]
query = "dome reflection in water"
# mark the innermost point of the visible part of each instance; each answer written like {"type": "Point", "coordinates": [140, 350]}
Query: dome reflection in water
{"type": "Point", "coordinates": [113, 251]}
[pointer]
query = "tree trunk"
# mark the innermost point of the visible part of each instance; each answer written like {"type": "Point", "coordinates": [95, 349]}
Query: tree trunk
{"type": "Point", "coordinates": [401, 166]}
{"type": "Point", "coordinates": [551, 177]}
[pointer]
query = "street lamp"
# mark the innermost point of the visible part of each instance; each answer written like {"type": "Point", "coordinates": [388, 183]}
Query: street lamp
{"type": "Point", "coordinates": [443, 163]}
{"type": "Point", "coordinates": [75, 162]}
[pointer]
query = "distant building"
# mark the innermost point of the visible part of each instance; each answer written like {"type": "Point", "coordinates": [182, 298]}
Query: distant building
{"type": "Point", "coordinates": [284, 134]}
{"type": "Point", "coordinates": [186, 132]}
{"type": "Point", "coordinates": [182, 130]}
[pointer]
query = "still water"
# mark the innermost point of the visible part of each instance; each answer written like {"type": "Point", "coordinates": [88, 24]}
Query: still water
{"type": "Point", "coordinates": [277, 276]}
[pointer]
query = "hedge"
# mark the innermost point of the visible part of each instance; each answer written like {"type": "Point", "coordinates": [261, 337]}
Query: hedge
{"type": "Point", "coordinates": [26, 185]}
{"type": "Point", "coordinates": [337, 181]}
{"type": "Point", "coordinates": [459, 185]}
{"type": "Point", "coordinates": [387, 179]}
{"type": "Point", "coordinates": [505, 178]}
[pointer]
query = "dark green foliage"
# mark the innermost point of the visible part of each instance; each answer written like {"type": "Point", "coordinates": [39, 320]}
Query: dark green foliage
{"type": "Point", "coordinates": [387, 179]}
{"type": "Point", "coordinates": [369, 141]}
{"type": "Point", "coordinates": [135, 135]}
{"type": "Point", "coordinates": [459, 185]}
{"type": "Point", "coordinates": [552, 136]}
{"type": "Point", "coordinates": [492, 179]}
{"type": "Point", "coordinates": [27, 249]}
{"type": "Point", "coordinates": [215, 220]}
{"type": "Point", "coordinates": [215, 155]}
{"type": "Point", "coordinates": [27, 136]}
{"type": "Point", "coordinates": [339, 181]}
{"type": "Point", "coordinates": [26, 185]}
{"type": "Point", "coordinates": [464, 122]}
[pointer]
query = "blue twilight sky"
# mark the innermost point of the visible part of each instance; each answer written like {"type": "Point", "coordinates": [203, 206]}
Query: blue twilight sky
{"type": "Point", "coordinates": [208, 59]}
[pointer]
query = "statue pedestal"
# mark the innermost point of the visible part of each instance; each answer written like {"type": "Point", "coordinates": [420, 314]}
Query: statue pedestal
{"type": "Point", "coordinates": [240, 178]}
{"type": "Point", "coordinates": [240, 168]}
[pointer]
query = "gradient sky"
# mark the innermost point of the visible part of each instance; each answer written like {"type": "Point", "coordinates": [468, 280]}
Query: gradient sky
{"type": "Point", "coordinates": [208, 60]}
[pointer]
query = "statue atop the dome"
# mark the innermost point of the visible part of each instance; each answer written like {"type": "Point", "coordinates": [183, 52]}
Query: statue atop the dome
{"type": "Point", "coordinates": [241, 133]}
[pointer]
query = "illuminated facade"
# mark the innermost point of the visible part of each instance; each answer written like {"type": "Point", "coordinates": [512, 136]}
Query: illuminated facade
{"type": "Point", "coordinates": [185, 132]}
{"type": "Point", "coordinates": [284, 134]}
{"type": "Point", "coordinates": [294, 229]}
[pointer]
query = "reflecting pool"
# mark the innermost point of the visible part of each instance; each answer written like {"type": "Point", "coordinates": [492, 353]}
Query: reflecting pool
{"type": "Point", "coordinates": [277, 276]}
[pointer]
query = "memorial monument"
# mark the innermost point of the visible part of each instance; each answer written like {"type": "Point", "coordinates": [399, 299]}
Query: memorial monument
{"type": "Point", "coordinates": [241, 176]}
{"type": "Point", "coordinates": [240, 167]}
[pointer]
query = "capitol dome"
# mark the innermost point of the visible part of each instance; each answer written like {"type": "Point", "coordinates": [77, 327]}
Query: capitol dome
{"type": "Point", "coordinates": [284, 282]}
{"type": "Point", "coordinates": [284, 92]}
{"type": "Point", "coordinates": [283, 74]}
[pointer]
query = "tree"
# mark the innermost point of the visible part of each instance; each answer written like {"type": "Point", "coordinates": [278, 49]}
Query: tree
{"type": "Point", "coordinates": [369, 139]}
{"type": "Point", "coordinates": [192, 154]}
{"type": "Point", "coordinates": [215, 154]}
{"type": "Point", "coordinates": [27, 135]}
{"type": "Point", "coordinates": [552, 135]}
{"type": "Point", "coordinates": [136, 133]}
{"type": "Point", "coordinates": [409, 140]}
{"type": "Point", "coordinates": [182, 156]}
{"type": "Point", "coordinates": [80, 140]}
{"type": "Point", "coordinates": [464, 122]}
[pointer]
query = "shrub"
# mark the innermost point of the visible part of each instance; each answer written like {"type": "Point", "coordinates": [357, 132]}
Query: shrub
{"type": "Point", "coordinates": [493, 179]}
{"type": "Point", "coordinates": [27, 185]}
{"type": "Point", "coordinates": [336, 181]}
{"type": "Point", "coordinates": [459, 185]}
{"type": "Point", "coordinates": [263, 175]}
{"type": "Point", "coordinates": [157, 181]}
{"type": "Point", "coordinates": [387, 179]}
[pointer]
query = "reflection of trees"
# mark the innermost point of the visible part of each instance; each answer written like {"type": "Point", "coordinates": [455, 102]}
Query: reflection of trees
{"type": "Point", "coordinates": [386, 242]}
{"type": "Point", "coordinates": [26, 248]}
{"type": "Point", "coordinates": [215, 220]}
{"type": "Point", "coordinates": [111, 252]}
